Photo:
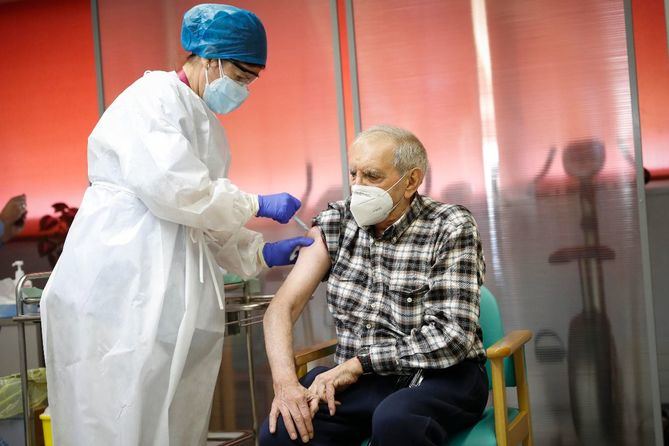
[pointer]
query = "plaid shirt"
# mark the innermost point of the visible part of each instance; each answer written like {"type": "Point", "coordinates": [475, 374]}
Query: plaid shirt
{"type": "Point", "coordinates": [412, 295]}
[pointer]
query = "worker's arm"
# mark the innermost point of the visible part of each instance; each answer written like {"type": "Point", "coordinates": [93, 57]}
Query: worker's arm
{"type": "Point", "coordinates": [294, 402]}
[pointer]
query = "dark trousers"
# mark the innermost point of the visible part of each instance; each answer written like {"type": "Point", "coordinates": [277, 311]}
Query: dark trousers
{"type": "Point", "coordinates": [382, 407]}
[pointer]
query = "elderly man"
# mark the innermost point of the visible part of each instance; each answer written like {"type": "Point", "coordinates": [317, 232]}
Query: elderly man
{"type": "Point", "coordinates": [403, 283]}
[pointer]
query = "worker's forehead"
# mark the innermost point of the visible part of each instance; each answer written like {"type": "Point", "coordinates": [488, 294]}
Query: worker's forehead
{"type": "Point", "coordinates": [375, 149]}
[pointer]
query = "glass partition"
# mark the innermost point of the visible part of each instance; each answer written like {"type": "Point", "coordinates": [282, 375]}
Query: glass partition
{"type": "Point", "coordinates": [524, 107]}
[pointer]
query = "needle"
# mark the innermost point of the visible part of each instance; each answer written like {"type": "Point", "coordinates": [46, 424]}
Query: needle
{"type": "Point", "coordinates": [300, 222]}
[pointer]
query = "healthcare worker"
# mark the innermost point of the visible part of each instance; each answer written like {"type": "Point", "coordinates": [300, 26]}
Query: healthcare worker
{"type": "Point", "coordinates": [132, 314]}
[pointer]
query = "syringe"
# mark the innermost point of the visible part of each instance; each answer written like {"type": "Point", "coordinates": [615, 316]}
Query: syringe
{"type": "Point", "coordinates": [300, 222]}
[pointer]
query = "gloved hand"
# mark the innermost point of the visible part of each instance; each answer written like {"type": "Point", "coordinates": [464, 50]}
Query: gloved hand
{"type": "Point", "coordinates": [280, 207]}
{"type": "Point", "coordinates": [13, 217]}
{"type": "Point", "coordinates": [284, 252]}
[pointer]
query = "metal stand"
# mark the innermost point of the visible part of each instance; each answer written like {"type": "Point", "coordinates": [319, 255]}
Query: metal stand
{"type": "Point", "coordinates": [21, 319]}
{"type": "Point", "coordinates": [245, 311]}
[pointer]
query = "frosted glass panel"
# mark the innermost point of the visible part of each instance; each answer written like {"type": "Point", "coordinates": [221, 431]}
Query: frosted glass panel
{"type": "Point", "coordinates": [524, 107]}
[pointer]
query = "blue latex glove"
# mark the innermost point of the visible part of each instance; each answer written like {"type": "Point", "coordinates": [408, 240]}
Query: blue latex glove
{"type": "Point", "coordinates": [284, 252]}
{"type": "Point", "coordinates": [280, 207]}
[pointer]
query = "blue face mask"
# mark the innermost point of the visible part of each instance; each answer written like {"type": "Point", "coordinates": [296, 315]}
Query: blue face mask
{"type": "Point", "coordinates": [224, 95]}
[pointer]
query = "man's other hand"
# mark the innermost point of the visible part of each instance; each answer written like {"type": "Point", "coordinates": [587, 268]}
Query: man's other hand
{"type": "Point", "coordinates": [336, 379]}
{"type": "Point", "coordinates": [297, 405]}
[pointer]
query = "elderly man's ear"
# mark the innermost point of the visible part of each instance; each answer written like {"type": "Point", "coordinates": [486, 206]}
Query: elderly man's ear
{"type": "Point", "coordinates": [415, 180]}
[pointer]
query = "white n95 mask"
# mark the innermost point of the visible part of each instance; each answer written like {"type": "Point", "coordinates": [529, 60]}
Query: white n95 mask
{"type": "Point", "coordinates": [224, 95]}
{"type": "Point", "coordinates": [370, 204]}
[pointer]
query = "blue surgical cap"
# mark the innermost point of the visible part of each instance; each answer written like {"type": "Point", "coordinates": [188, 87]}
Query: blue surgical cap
{"type": "Point", "coordinates": [224, 32]}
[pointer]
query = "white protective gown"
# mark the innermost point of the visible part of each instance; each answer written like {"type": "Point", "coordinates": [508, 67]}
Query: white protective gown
{"type": "Point", "coordinates": [133, 332]}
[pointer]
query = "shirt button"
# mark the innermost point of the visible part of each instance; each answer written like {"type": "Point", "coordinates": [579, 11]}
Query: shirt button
{"type": "Point", "coordinates": [409, 300]}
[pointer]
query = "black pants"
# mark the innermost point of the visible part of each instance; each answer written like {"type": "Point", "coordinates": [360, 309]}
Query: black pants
{"type": "Point", "coordinates": [392, 414]}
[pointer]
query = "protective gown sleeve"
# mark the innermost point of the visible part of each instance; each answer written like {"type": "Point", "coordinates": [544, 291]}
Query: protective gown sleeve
{"type": "Point", "coordinates": [166, 172]}
{"type": "Point", "coordinates": [240, 254]}
{"type": "Point", "coordinates": [175, 184]}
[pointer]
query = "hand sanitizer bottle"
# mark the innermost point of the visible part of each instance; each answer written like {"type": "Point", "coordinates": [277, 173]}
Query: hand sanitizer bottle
{"type": "Point", "coordinates": [19, 273]}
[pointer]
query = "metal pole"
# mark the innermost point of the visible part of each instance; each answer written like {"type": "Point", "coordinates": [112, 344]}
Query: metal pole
{"type": "Point", "coordinates": [654, 380]}
{"type": "Point", "coordinates": [353, 67]}
{"type": "Point", "coordinates": [23, 365]}
{"type": "Point", "coordinates": [40, 345]}
{"type": "Point", "coordinates": [251, 367]}
{"type": "Point", "coordinates": [249, 356]}
{"type": "Point", "coordinates": [97, 47]}
{"type": "Point", "coordinates": [339, 84]}
{"type": "Point", "coordinates": [666, 18]}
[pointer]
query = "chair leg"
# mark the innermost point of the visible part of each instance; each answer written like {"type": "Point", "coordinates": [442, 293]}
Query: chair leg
{"type": "Point", "coordinates": [499, 401]}
{"type": "Point", "coordinates": [523, 392]}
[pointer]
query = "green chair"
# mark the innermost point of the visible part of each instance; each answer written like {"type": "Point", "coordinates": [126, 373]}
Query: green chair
{"type": "Point", "coordinates": [500, 425]}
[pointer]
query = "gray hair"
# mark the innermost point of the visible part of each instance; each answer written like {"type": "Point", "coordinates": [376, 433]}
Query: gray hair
{"type": "Point", "coordinates": [409, 151]}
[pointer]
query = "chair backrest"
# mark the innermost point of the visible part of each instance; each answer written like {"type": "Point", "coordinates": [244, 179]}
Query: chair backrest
{"type": "Point", "coordinates": [493, 330]}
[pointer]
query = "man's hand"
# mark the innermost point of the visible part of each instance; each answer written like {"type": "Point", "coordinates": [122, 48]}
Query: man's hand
{"type": "Point", "coordinates": [12, 216]}
{"type": "Point", "coordinates": [297, 405]}
{"type": "Point", "coordinates": [336, 379]}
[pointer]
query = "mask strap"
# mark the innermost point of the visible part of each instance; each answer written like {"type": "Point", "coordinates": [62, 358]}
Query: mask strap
{"type": "Point", "coordinates": [393, 208]}
{"type": "Point", "coordinates": [400, 200]}
{"type": "Point", "coordinates": [206, 74]}
{"type": "Point", "coordinates": [396, 182]}
{"type": "Point", "coordinates": [220, 71]}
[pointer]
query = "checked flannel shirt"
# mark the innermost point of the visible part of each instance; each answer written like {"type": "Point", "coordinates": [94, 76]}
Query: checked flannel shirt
{"type": "Point", "coordinates": [412, 295]}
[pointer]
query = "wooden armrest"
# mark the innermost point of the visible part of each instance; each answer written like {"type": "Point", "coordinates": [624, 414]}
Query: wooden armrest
{"type": "Point", "coordinates": [511, 342]}
{"type": "Point", "coordinates": [317, 351]}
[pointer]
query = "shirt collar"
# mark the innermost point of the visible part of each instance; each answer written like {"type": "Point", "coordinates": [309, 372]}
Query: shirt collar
{"type": "Point", "coordinates": [395, 231]}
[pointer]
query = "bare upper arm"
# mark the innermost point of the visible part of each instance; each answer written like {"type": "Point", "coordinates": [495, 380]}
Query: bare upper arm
{"type": "Point", "coordinates": [312, 265]}
{"type": "Point", "coordinates": [316, 256]}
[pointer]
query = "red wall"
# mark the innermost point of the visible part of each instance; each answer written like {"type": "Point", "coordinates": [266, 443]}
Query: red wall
{"type": "Point", "coordinates": [48, 97]}
{"type": "Point", "coordinates": [47, 101]}
{"type": "Point", "coordinates": [652, 57]}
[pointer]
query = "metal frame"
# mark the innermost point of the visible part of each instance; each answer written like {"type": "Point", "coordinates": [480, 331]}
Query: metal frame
{"type": "Point", "coordinates": [339, 85]}
{"type": "Point", "coordinates": [21, 320]}
{"type": "Point", "coordinates": [666, 21]}
{"type": "Point", "coordinates": [353, 68]}
{"type": "Point", "coordinates": [654, 379]}
{"type": "Point", "coordinates": [252, 309]}
{"type": "Point", "coordinates": [97, 47]}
